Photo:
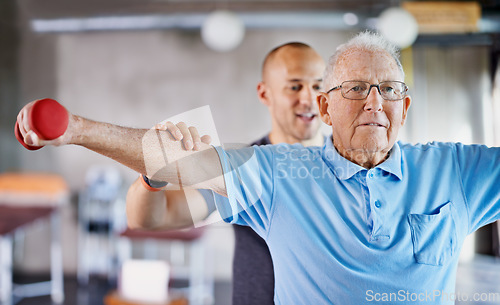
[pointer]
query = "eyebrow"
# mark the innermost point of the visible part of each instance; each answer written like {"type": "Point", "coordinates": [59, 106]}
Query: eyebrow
{"type": "Point", "coordinates": [295, 80]}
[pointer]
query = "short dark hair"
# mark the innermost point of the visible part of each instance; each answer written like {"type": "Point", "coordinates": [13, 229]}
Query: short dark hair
{"type": "Point", "coordinates": [269, 57]}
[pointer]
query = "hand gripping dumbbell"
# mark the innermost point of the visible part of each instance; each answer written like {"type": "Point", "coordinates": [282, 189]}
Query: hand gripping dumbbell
{"type": "Point", "coordinates": [48, 119]}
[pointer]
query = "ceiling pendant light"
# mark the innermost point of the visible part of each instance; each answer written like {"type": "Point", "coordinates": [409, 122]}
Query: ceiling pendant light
{"type": "Point", "coordinates": [222, 31]}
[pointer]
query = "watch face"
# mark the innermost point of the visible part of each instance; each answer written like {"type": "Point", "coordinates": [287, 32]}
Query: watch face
{"type": "Point", "coordinates": [154, 183]}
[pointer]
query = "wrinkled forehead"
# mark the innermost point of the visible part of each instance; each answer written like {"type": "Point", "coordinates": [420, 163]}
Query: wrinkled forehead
{"type": "Point", "coordinates": [370, 66]}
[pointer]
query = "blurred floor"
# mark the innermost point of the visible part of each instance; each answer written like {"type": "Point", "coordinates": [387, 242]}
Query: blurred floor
{"type": "Point", "coordinates": [479, 278]}
{"type": "Point", "coordinates": [98, 287]}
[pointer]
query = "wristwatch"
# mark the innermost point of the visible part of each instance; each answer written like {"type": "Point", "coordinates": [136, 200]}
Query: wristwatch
{"type": "Point", "coordinates": [153, 185]}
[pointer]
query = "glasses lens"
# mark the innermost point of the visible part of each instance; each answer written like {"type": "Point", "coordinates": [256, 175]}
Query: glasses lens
{"type": "Point", "coordinates": [358, 90]}
{"type": "Point", "coordinates": [392, 90]}
{"type": "Point", "coordinates": [355, 90]}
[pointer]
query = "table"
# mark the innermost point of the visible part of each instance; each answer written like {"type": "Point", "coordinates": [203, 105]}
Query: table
{"type": "Point", "coordinates": [24, 199]}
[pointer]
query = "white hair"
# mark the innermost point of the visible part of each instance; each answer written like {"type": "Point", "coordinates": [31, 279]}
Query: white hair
{"type": "Point", "coordinates": [364, 41]}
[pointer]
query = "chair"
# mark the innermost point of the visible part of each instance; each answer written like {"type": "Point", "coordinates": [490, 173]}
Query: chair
{"type": "Point", "coordinates": [188, 257]}
{"type": "Point", "coordinates": [101, 214]}
{"type": "Point", "coordinates": [24, 199]}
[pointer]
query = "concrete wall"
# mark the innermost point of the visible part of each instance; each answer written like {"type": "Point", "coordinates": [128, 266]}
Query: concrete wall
{"type": "Point", "coordinates": [452, 95]}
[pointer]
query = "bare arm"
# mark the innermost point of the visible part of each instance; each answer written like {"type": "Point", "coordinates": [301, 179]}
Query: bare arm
{"type": "Point", "coordinates": [150, 152]}
{"type": "Point", "coordinates": [167, 209]}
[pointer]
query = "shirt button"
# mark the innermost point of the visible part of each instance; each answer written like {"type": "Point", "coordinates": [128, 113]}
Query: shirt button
{"type": "Point", "coordinates": [378, 204]}
{"type": "Point", "coordinates": [370, 175]}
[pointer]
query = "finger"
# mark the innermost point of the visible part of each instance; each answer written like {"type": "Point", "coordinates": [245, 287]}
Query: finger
{"type": "Point", "coordinates": [174, 130]}
{"type": "Point", "coordinates": [20, 124]}
{"type": "Point", "coordinates": [196, 138]}
{"type": "Point", "coordinates": [187, 139]}
{"type": "Point", "coordinates": [206, 139]}
{"type": "Point", "coordinates": [32, 139]}
{"type": "Point", "coordinates": [164, 127]}
{"type": "Point", "coordinates": [25, 125]}
{"type": "Point", "coordinates": [161, 126]}
{"type": "Point", "coordinates": [19, 118]}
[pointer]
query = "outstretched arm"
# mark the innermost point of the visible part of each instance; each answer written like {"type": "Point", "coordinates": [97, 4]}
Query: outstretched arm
{"type": "Point", "coordinates": [150, 152]}
{"type": "Point", "coordinates": [168, 209]}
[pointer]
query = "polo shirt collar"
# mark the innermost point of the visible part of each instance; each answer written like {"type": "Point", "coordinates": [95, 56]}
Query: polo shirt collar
{"type": "Point", "coordinates": [345, 169]}
{"type": "Point", "coordinates": [393, 163]}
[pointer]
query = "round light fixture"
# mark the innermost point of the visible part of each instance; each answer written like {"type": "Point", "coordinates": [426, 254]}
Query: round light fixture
{"type": "Point", "coordinates": [222, 31]}
{"type": "Point", "coordinates": [398, 26]}
{"type": "Point", "coordinates": [350, 19]}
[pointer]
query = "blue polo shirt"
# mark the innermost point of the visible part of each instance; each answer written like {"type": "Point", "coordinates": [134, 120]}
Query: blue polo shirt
{"type": "Point", "coordinates": [341, 234]}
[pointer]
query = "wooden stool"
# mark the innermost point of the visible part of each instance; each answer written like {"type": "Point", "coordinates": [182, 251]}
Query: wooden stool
{"type": "Point", "coordinates": [113, 298]}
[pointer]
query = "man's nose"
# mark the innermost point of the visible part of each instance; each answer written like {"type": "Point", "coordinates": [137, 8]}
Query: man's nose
{"type": "Point", "coordinates": [307, 96]}
{"type": "Point", "coordinates": [374, 100]}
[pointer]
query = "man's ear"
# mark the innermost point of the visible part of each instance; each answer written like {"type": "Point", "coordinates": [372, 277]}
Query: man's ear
{"type": "Point", "coordinates": [406, 106]}
{"type": "Point", "coordinates": [262, 93]}
{"type": "Point", "coordinates": [322, 100]}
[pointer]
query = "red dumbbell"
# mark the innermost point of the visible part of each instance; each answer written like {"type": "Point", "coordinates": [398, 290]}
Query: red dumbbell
{"type": "Point", "coordinates": [48, 119]}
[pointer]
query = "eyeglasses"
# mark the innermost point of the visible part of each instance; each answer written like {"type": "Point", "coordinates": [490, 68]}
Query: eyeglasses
{"type": "Point", "coordinates": [359, 90]}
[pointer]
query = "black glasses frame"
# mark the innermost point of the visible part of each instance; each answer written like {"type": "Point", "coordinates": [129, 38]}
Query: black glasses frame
{"type": "Point", "coordinates": [405, 89]}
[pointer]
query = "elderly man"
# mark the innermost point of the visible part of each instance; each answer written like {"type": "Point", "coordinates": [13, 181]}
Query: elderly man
{"type": "Point", "coordinates": [291, 79]}
{"type": "Point", "coordinates": [362, 219]}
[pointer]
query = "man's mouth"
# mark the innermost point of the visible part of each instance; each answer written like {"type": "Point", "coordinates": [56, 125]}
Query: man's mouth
{"type": "Point", "coordinates": [307, 116]}
{"type": "Point", "coordinates": [372, 124]}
